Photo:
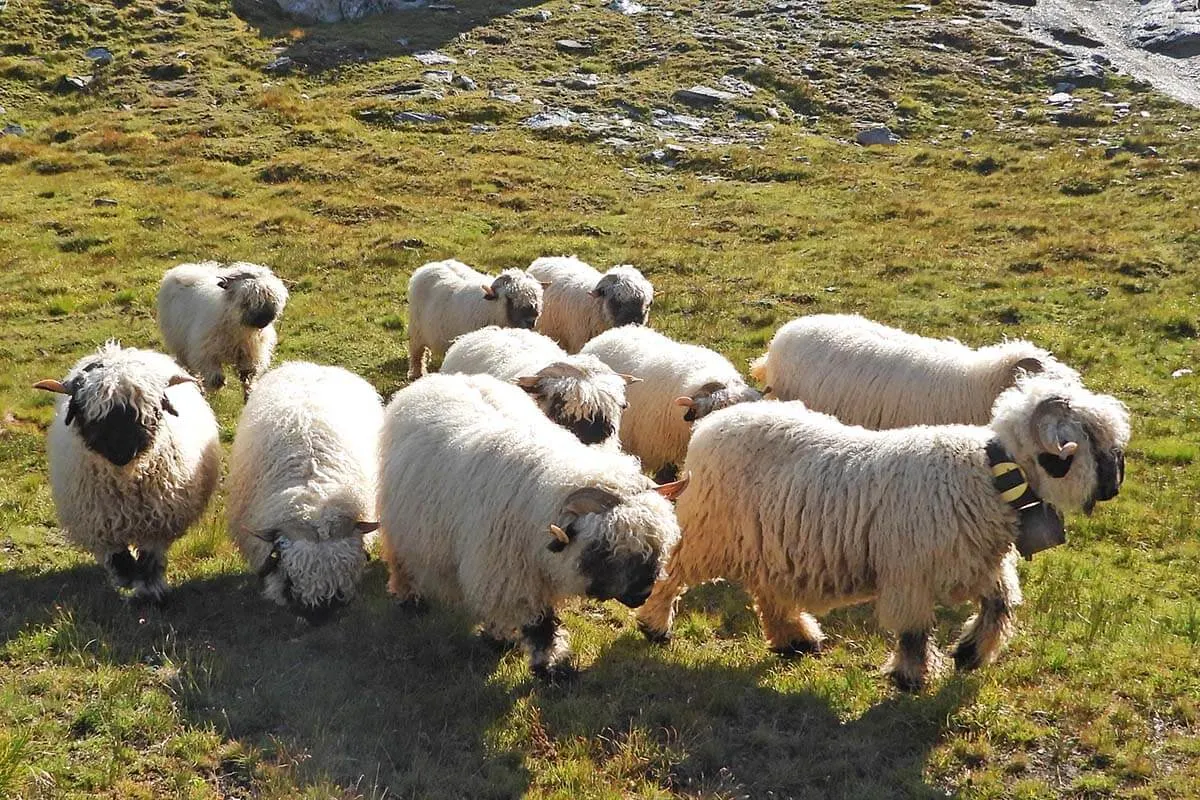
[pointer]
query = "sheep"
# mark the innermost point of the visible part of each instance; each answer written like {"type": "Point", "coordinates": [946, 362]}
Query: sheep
{"type": "Point", "coordinates": [134, 457]}
{"type": "Point", "coordinates": [580, 392]}
{"type": "Point", "coordinates": [672, 375]}
{"type": "Point", "coordinates": [581, 303]}
{"type": "Point", "coordinates": [869, 374]}
{"type": "Point", "coordinates": [810, 514]}
{"type": "Point", "coordinates": [301, 484]}
{"type": "Point", "coordinates": [486, 503]}
{"type": "Point", "coordinates": [212, 315]}
{"type": "Point", "coordinates": [448, 298]}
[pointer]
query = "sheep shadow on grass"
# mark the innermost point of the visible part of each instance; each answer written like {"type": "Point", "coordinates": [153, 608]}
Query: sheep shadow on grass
{"type": "Point", "coordinates": [328, 46]}
{"type": "Point", "coordinates": [378, 698]}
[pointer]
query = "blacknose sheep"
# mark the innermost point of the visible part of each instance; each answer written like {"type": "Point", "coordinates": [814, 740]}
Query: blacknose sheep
{"type": "Point", "coordinates": [579, 392]}
{"type": "Point", "coordinates": [447, 299]}
{"type": "Point", "coordinates": [212, 315]}
{"type": "Point", "coordinates": [302, 481]}
{"type": "Point", "coordinates": [868, 374]}
{"type": "Point", "coordinates": [486, 503]}
{"type": "Point", "coordinates": [678, 384]}
{"type": "Point", "coordinates": [134, 457]}
{"type": "Point", "coordinates": [810, 514]}
{"type": "Point", "coordinates": [581, 303]}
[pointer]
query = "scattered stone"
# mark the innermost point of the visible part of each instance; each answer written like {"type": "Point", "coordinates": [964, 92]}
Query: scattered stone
{"type": "Point", "coordinates": [579, 82]}
{"type": "Point", "coordinates": [1082, 73]}
{"type": "Point", "coordinates": [417, 117]}
{"type": "Point", "coordinates": [507, 97]}
{"type": "Point", "coordinates": [1179, 373]}
{"type": "Point", "coordinates": [432, 58]}
{"type": "Point", "coordinates": [574, 47]}
{"type": "Point", "coordinates": [341, 10]}
{"type": "Point", "coordinates": [1024, 3]}
{"type": "Point", "coordinates": [917, 8]}
{"type": "Point", "coordinates": [104, 201]}
{"type": "Point", "coordinates": [738, 86]}
{"type": "Point", "coordinates": [1074, 37]}
{"type": "Point", "coordinates": [666, 119]}
{"type": "Point", "coordinates": [437, 75]}
{"type": "Point", "coordinates": [541, 15]}
{"type": "Point", "coordinates": [482, 128]}
{"type": "Point", "coordinates": [627, 7]}
{"type": "Point", "coordinates": [668, 155]}
{"type": "Point", "coordinates": [704, 96]}
{"type": "Point", "coordinates": [546, 120]}
{"type": "Point", "coordinates": [463, 82]}
{"type": "Point", "coordinates": [99, 55]}
{"type": "Point", "coordinates": [968, 133]}
{"type": "Point", "coordinates": [13, 129]}
{"type": "Point", "coordinates": [442, 7]}
{"type": "Point", "coordinates": [280, 66]}
{"type": "Point", "coordinates": [75, 83]}
{"type": "Point", "coordinates": [879, 134]}
{"type": "Point", "coordinates": [1060, 99]}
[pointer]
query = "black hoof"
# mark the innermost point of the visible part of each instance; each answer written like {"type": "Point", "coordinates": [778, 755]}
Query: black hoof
{"type": "Point", "coordinates": [798, 648]}
{"type": "Point", "coordinates": [966, 657]}
{"type": "Point", "coordinates": [906, 684]}
{"type": "Point", "coordinates": [653, 636]}
{"type": "Point", "coordinates": [559, 672]}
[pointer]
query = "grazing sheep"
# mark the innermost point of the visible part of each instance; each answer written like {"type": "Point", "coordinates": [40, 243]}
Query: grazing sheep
{"type": "Point", "coordinates": [447, 299]}
{"type": "Point", "coordinates": [486, 503]}
{"type": "Point", "coordinates": [869, 374]}
{"type": "Point", "coordinates": [579, 392]}
{"type": "Point", "coordinates": [810, 514]}
{"type": "Point", "coordinates": [654, 427]}
{"type": "Point", "coordinates": [212, 315]}
{"type": "Point", "coordinates": [582, 303]}
{"type": "Point", "coordinates": [134, 457]}
{"type": "Point", "coordinates": [302, 481]}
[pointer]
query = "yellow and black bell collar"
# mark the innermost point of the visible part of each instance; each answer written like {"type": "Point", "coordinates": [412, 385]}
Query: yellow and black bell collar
{"type": "Point", "coordinates": [1041, 527]}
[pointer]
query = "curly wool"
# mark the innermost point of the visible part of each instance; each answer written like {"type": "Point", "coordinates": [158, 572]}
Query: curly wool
{"type": "Point", "coordinates": [653, 427]}
{"type": "Point", "coordinates": [446, 299]}
{"type": "Point", "coordinates": [573, 313]}
{"type": "Point", "coordinates": [589, 390]}
{"type": "Point", "coordinates": [473, 475]}
{"type": "Point", "coordinates": [305, 467]}
{"type": "Point", "coordinates": [868, 374]}
{"type": "Point", "coordinates": [203, 323]}
{"type": "Point", "coordinates": [151, 501]}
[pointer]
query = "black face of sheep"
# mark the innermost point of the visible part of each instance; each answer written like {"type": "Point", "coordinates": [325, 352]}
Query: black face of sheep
{"type": "Point", "coordinates": [120, 435]}
{"type": "Point", "coordinates": [626, 577]}
{"type": "Point", "coordinates": [520, 315]}
{"type": "Point", "coordinates": [260, 315]}
{"type": "Point", "coordinates": [626, 312]}
{"type": "Point", "coordinates": [589, 430]}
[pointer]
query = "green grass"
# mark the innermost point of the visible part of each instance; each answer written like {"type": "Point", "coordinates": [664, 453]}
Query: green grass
{"type": "Point", "coordinates": [1023, 229]}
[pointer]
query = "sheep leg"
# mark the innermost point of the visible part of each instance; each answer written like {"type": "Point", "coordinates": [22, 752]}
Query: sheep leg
{"type": "Point", "coordinates": [789, 632]}
{"type": "Point", "coordinates": [150, 584]}
{"type": "Point", "coordinates": [399, 581]}
{"type": "Point", "coordinates": [657, 615]}
{"type": "Point", "coordinates": [914, 661]}
{"type": "Point", "coordinates": [986, 634]}
{"type": "Point", "coordinates": [213, 381]}
{"type": "Point", "coordinates": [547, 643]}
{"type": "Point", "coordinates": [120, 567]}
{"type": "Point", "coordinates": [416, 358]}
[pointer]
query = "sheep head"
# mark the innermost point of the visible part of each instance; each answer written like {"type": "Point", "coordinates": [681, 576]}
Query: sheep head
{"type": "Point", "coordinates": [521, 294]}
{"type": "Point", "coordinates": [1070, 441]}
{"type": "Point", "coordinates": [255, 292]}
{"type": "Point", "coordinates": [582, 394]}
{"type": "Point", "coordinates": [626, 295]}
{"type": "Point", "coordinates": [116, 399]}
{"type": "Point", "coordinates": [713, 396]}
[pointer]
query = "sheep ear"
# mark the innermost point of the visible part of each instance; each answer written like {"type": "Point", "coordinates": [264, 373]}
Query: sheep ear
{"type": "Point", "coordinates": [590, 500]}
{"type": "Point", "coordinates": [1031, 365]}
{"type": "Point", "coordinates": [489, 293]}
{"type": "Point", "coordinates": [169, 407]}
{"type": "Point", "coordinates": [175, 380]}
{"type": "Point", "coordinates": [684, 401]}
{"type": "Point", "coordinates": [51, 385]}
{"type": "Point", "coordinates": [363, 526]}
{"type": "Point", "coordinates": [672, 490]}
{"type": "Point", "coordinates": [529, 383]}
{"type": "Point", "coordinates": [629, 379]}
{"type": "Point", "coordinates": [223, 282]}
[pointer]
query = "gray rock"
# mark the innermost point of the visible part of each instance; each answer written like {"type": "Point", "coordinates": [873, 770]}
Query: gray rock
{"type": "Point", "coordinates": [463, 82]}
{"type": "Point", "coordinates": [340, 10]}
{"type": "Point", "coordinates": [12, 129]}
{"type": "Point", "coordinates": [665, 119]}
{"type": "Point", "coordinates": [75, 83]}
{"type": "Point", "coordinates": [506, 97]}
{"type": "Point", "coordinates": [572, 46]}
{"type": "Point", "coordinates": [438, 76]}
{"type": "Point", "coordinates": [1168, 27]}
{"type": "Point", "coordinates": [417, 117]}
{"type": "Point", "coordinates": [280, 66]}
{"type": "Point", "coordinates": [99, 55]}
{"type": "Point", "coordinates": [541, 15]}
{"type": "Point", "coordinates": [704, 96]}
{"type": "Point", "coordinates": [547, 120]}
{"type": "Point", "coordinates": [432, 58]}
{"type": "Point", "coordinates": [104, 201]}
{"type": "Point", "coordinates": [626, 7]}
{"type": "Point", "coordinates": [580, 82]}
{"type": "Point", "coordinates": [1082, 73]}
{"type": "Point", "coordinates": [1060, 99]}
{"type": "Point", "coordinates": [879, 134]}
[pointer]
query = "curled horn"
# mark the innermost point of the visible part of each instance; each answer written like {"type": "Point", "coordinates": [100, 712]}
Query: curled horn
{"type": "Point", "coordinates": [1054, 408]}
{"type": "Point", "coordinates": [489, 293]}
{"type": "Point", "coordinates": [363, 526]}
{"type": "Point", "coordinates": [51, 385]}
{"type": "Point", "coordinates": [672, 490]}
{"type": "Point", "coordinates": [559, 534]}
{"type": "Point", "coordinates": [629, 378]}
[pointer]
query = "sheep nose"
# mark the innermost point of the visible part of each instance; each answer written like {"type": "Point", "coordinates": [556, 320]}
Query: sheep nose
{"type": "Point", "coordinates": [635, 599]}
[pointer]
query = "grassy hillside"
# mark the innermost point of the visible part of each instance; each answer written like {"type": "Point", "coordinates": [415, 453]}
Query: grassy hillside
{"type": "Point", "coordinates": [996, 215]}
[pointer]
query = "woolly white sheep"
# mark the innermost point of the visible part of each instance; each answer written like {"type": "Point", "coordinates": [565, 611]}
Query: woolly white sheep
{"type": "Point", "coordinates": [134, 457]}
{"type": "Point", "coordinates": [212, 315]}
{"type": "Point", "coordinates": [447, 299]}
{"type": "Point", "coordinates": [580, 392]}
{"type": "Point", "coordinates": [302, 481]}
{"type": "Point", "coordinates": [810, 514]}
{"type": "Point", "coordinates": [679, 384]}
{"type": "Point", "coordinates": [868, 374]}
{"type": "Point", "coordinates": [582, 303]}
{"type": "Point", "coordinates": [486, 503]}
